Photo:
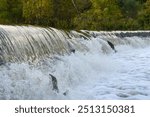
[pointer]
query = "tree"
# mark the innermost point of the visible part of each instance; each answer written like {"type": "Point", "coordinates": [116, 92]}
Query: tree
{"type": "Point", "coordinates": [129, 8]}
{"type": "Point", "coordinates": [78, 14]}
{"type": "Point", "coordinates": [37, 11]}
{"type": "Point", "coordinates": [103, 15]}
{"type": "Point", "coordinates": [144, 16]}
{"type": "Point", "coordinates": [66, 10]}
{"type": "Point", "coordinates": [3, 11]}
{"type": "Point", "coordinates": [11, 11]}
{"type": "Point", "coordinates": [14, 8]}
{"type": "Point", "coordinates": [82, 5]}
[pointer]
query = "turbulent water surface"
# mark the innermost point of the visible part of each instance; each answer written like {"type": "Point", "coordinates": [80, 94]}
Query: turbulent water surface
{"type": "Point", "coordinates": [95, 72]}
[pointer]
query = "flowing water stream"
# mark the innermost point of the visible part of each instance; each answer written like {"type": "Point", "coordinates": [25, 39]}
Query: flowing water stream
{"type": "Point", "coordinates": [29, 54]}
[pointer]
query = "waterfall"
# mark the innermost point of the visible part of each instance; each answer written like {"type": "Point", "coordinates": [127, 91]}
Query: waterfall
{"type": "Point", "coordinates": [82, 64]}
{"type": "Point", "coordinates": [29, 43]}
{"type": "Point", "coordinates": [21, 43]}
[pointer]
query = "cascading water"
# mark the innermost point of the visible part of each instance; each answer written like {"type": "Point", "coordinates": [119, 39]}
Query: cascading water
{"type": "Point", "coordinates": [25, 43]}
{"type": "Point", "coordinates": [29, 54]}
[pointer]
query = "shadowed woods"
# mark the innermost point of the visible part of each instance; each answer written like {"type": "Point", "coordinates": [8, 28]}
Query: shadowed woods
{"type": "Point", "coordinates": [78, 14]}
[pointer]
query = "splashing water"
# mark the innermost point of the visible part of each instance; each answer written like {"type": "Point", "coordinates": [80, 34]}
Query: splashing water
{"type": "Point", "coordinates": [95, 73]}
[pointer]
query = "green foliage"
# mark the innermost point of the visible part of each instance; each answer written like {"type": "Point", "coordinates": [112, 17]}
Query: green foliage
{"type": "Point", "coordinates": [129, 8]}
{"type": "Point", "coordinates": [37, 11]}
{"type": "Point", "coordinates": [3, 11]}
{"type": "Point", "coordinates": [102, 16]}
{"type": "Point", "coordinates": [56, 13]}
{"type": "Point", "coordinates": [83, 5]}
{"type": "Point", "coordinates": [10, 11]}
{"type": "Point", "coordinates": [144, 16]}
{"type": "Point", "coordinates": [64, 11]}
{"type": "Point", "coordinates": [78, 14]}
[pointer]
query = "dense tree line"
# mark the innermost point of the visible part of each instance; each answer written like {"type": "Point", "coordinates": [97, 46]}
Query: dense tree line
{"type": "Point", "coordinates": [78, 14]}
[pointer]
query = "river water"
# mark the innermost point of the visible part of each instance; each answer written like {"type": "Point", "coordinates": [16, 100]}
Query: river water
{"type": "Point", "coordinates": [124, 75]}
{"type": "Point", "coordinates": [81, 75]}
{"type": "Point", "coordinates": [29, 54]}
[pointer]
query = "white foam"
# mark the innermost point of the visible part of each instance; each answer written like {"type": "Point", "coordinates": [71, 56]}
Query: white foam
{"type": "Point", "coordinates": [88, 75]}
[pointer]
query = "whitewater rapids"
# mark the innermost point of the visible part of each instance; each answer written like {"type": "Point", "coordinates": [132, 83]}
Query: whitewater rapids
{"type": "Point", "coordinates": [84, 75]}
{"type": "Point", "coordinates": [29, 54]}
